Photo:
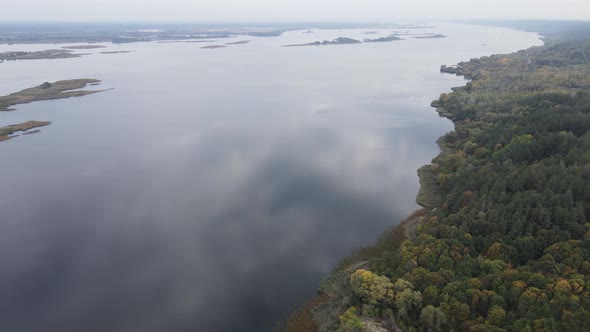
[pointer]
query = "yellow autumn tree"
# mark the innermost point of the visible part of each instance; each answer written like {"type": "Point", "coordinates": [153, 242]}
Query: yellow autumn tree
{"type": "Point", "coordinates": [350, 322]}
{"type": "Point", "coordinates": [371, 288]}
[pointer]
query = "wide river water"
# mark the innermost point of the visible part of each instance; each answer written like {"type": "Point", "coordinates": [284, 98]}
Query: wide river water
{"type": "Point", "coordinates": [212, 189]}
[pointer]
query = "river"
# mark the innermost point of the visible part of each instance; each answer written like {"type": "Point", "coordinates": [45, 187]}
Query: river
{"type": "Point", "coordinates": [212, 189]}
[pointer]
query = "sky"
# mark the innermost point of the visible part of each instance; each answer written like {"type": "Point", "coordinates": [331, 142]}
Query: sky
{"type": "Point", "coordinates": [289, 10]}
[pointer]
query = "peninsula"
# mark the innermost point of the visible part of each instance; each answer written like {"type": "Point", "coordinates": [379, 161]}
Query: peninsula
{"type": "Point", "coordinates": [6, 131]}
{"type": "Point", "coordinates": [48, 91]}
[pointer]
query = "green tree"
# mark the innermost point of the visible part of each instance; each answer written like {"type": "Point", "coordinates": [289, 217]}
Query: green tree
{"type": "Point", "coordinates": [433, 319]}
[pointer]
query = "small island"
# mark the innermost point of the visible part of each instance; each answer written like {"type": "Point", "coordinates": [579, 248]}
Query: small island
{"type": "Point", "coordinates": [241, 42]}
{"type": "Point", "coordinates": [186, 41]}
{"type": "Point", "coordinates": [7, 131]}
{"type": "Point", "coordinates": [430, 36]}
{"type": "Point", "coordinates": [265, 33]}
{"type": "Point", "coordinates": [38, 55]}
{"type": "Point", "coordinates": [212, 47]}
{"type": "Point", "coordinates": [115, 52]}
{"type": "Point", "coordinates": [337, 41]}
{"type": "Point", "coordinates": [382, 39]}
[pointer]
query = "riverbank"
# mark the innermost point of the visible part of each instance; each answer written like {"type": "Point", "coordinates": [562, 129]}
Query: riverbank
{"type": "Point", "coordinates": [323, 311]}
{"type": "Point", "coordinates": [473, 259]}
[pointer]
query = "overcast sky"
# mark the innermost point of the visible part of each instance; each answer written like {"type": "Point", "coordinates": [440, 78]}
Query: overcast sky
{"type": "Point", "coordinates": [287, 10]}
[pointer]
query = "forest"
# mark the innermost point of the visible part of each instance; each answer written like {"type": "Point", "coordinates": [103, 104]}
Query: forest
{"type": "Point", "coordinates": [505, 243]}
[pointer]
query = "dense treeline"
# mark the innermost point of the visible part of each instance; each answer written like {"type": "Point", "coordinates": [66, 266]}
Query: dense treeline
{"type": "Point", "coordinates": [508, 247]}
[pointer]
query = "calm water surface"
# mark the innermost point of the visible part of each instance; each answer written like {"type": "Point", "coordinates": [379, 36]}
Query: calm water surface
{"type": "Point", "coordinates": [210, 190]}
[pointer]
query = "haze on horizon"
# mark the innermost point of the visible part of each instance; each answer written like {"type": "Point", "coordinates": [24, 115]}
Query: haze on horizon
{"type": "Point", "coordinates": [289, 10]}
